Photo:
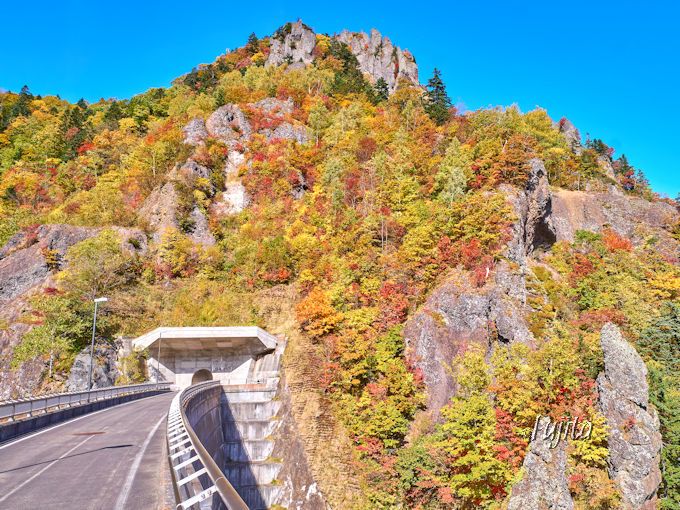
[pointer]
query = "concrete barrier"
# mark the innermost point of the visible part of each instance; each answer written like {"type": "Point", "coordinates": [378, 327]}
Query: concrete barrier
{"type": "Point", "coordinates": [19, 427]}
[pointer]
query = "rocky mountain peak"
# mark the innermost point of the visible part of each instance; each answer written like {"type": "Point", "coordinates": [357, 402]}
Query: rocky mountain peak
{"type": "Point", "coordinates": [294, 43]}
{"type": "Point", "coordinates": [379, 58]}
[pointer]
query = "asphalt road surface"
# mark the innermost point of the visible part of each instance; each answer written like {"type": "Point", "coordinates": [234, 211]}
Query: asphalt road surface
{"type": "Point", "coordinates": [112, 459]}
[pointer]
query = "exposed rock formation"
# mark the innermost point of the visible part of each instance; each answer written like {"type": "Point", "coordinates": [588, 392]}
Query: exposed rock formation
{"type": "Point", "coordinates": [456, 314]}
{"type": "Point", "coordinates": [571, 134]}
{"type": "Point", "coordinates": [228, 124]}
{"type": "Point", "coordinates": [159, 210]}
{"type": "Point", "coordinates": [544, 483]}
{"type": "Point", "coordinates": [379, 58]}
{"type": "Point", "coordinates": [104, 372]}
{"type": "Point", "coordinates": [234, 198]}
{"type": "Point", "coordinates": [274, 106]}
{"type": "Point", "coordinates": [191, 171]}
{"type": "Point", "coordinates": [32, 254]}
{"type": "Point", "coordinates": [195, 132]}
{"type": "Point", "coordinates": [294, 42]}
{"type": "Point", "coordinates": [288, 131]}
{"type": "Point", "coordinates": [631, 217]}
{"type": "Point", "coordinates": [634, 438]}
{"type": "Point", "coordinates": [200, 232]}
{"type": "Point", "coordinates": [533, 228]}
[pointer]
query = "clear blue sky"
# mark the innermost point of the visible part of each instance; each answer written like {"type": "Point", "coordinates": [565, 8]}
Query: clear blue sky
{"type": "Point", "coordinates": [611, 67]}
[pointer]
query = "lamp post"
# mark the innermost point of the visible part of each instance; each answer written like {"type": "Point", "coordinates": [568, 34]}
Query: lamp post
{"type": "Point", "coordinates": [94, 329]}
{"type": "Point", "coordinates": [158, 359]}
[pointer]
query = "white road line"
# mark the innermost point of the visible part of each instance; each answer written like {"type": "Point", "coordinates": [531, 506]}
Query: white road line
{"type": "Point", "coordinates": [72, 420]}
{"type": "Point", "coordinates": [125, 491]}
{"type": "Point", "coordinates": [21, 485]}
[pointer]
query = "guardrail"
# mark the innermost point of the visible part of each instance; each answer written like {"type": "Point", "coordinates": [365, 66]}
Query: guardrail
{"type": "Point", "coordinates": [197, 479]}
{"type": "Point", "coordinates": [13, 410]}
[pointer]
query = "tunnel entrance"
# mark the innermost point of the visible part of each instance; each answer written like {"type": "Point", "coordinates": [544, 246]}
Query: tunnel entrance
{"type": "Point", "coordinates": [202, 375]}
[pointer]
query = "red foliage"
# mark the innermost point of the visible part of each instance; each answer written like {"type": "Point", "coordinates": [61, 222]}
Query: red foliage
{"type": "Point", "coordinates": [393, 304]}
{"type": "Point", "coordinates": [376, 390]}
{"type": "Point", "coordinates": [581, 267]}
{"type": "Point", "coordinates": [470, 253]}
{"type": "Point", "coordinates": [511, 447]}
{"type": "Point", "coordinates": [366, 149]}
{"type": "Point", "coordinates": [614, 241]}
{"type": "Point", "coordinates": [575, 402]}
{"type": "Point", "coordinates": [482, 270]}
{"type": "Point", "coordinates": [593, 320]}
{"type": "Point", "coordinates": [280, 275]}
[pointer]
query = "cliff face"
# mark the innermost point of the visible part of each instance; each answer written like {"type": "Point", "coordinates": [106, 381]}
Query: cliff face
{"type": "Point", "coordinates": [631, 217]}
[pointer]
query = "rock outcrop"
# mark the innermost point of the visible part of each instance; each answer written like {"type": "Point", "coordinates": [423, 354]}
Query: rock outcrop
{"type": "Point", "coordinates": [455, 314]}
{"type": "Point", "coordinates": [634, 438]}
{"type": "Point", "coordinates": [631, 217]}
{"type": "Point", "coordinates": [228, 124]}
{"type": "Point", "coordinates": [30, 256]}
{"type": "Point", "coordinates": [234, 198]}
{"type": "Point", "coordinates": [159, 210]}
{"type": "Point", "coordinates": [544, 484]}
{"type": "Point", "coordinates": [571, 134]}
{"type": "Point", "coordinates": [533, 228]}
{"type": "Point", "coordinates": [195, 132]}
{"type": "Point", "coordinates": [379, 58]}
{"type": "Point", "coordinates": [104, 371]}
{"type": "Point", "coordinates": [292, 43]}
{"type": "Point", "coordinates": [200, 231]}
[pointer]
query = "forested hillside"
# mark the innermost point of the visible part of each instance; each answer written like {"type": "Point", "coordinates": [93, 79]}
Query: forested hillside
{"type": "Point", "coordinates": [442, 276]}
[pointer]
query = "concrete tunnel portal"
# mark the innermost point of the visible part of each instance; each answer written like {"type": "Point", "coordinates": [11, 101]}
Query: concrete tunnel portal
{"type": "Point", "coordinates": [201, 375]}
{"type": "Point", "coordinates": [237, 420]}
{"type": "Point", "coordinates": [188, 355]}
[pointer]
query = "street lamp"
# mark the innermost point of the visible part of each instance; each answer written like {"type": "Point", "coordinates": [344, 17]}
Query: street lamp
{"type": "Point", "coordinates": [158, 359]}
{"type": "Point", "coordinates": [94, 329]}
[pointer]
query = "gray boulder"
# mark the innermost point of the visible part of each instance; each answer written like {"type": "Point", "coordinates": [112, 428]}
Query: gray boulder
{"type": "Point", "coordinates": [195, 132]}
{"type": "Point", "coordinates": [571, 134]}
{"type": "Point", "coordinates": [288, 131]}
{"type": "Point", "coordinates": [274, 106]}
{"type": "Point", "coordinates": [634, 437]}
{"type": "Point", "coordinates": [200, 233]}
{"type": "Point", "coordinates": [104, 371]}
{"type": "Point", "coordinates": [228, 124]}
{"type": "Point", "coordinates": [159, 210]}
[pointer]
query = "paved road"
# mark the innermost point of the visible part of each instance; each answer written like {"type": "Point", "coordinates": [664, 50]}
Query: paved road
{"type": "Point", "coordinates": [108, 460]}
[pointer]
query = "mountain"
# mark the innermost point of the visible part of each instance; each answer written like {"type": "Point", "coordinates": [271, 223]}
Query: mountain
{"type": "Point", "coordinates": [451, 284]}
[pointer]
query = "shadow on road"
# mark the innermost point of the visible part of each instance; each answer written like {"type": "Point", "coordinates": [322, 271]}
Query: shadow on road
{"type": "Point", "coordinates": [67, 457]}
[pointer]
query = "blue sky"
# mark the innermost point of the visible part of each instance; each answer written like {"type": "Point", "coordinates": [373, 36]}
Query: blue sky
{"type": "Point", "coordinates": [611, 67]}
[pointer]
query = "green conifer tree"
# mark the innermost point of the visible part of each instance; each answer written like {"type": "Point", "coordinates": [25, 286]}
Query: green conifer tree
{"type": "Point", "coordinates": [382, 91]}
{"type": "Point", "coordinates": [437, 101]}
